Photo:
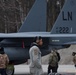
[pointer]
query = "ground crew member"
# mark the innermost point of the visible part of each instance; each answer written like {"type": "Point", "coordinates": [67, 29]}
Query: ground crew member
{"type": "Point", "coordinates": [53, 61]}
{"type": "Point", "coordinates": [35, 57]}
{"type": "Point", "coordinates": [74, 58]}
{"type": "Point", "coordinates": [3, 61]}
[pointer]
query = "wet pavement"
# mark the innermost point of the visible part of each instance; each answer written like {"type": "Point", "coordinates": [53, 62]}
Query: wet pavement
{"type": "Point", "coordinates": [52, 74]}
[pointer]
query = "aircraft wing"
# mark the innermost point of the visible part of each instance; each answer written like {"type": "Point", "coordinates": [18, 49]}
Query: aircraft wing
{"type": "Point", "coordinates": [34, 34]}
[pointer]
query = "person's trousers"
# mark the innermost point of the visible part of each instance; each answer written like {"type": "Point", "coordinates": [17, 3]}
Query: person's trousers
{"type": "Point", "coordinates": [75, 65]}
{"type": "Point", "coordinates": [3, 71]}
{"type": "Point", "coordinates": [35, 71]}
{"type": "Point", "coordinates": [52, 69]}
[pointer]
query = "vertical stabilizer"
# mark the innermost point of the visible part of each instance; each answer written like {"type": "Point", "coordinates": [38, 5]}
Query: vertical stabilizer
{"type": "Point", "coordinates": [36, 18]}
{"type": "Point", "coordinates": [66, 21]}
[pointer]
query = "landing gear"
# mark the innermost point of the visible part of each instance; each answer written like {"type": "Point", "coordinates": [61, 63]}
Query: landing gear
{"type": "Point", "coordinates": [10, 70]}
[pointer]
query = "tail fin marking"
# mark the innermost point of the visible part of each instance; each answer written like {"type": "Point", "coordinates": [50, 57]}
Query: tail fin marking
{"type": "Point", "coordinates": [66, 21]}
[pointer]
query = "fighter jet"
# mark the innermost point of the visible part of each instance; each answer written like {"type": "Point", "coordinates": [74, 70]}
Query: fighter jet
{"type": "Point", "coordinates": [62, 35]}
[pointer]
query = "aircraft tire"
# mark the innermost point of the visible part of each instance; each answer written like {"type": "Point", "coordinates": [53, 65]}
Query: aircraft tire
{"type": "Point", "coordinates": [10, 70]}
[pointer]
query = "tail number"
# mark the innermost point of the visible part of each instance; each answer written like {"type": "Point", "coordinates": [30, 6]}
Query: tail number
{"type": "Point", "coordinates": [62, 30]}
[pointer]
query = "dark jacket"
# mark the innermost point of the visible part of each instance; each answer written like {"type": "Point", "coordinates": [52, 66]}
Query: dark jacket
{"type": "Point", "coordinates": [58, 56]}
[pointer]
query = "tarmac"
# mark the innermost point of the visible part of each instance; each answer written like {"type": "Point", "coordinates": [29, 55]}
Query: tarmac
{"type": "Point", "coordinates": [62, 70]}
{"type": "Point", "coordinates": [52, 74]}
{"type": "Point", "coordinates": [46, 74]}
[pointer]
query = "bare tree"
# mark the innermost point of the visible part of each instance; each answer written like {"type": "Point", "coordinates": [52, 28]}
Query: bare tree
{"type": "Point", "coordinates": [13, 13]}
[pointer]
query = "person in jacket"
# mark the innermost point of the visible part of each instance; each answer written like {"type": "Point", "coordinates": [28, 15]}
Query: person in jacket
{"type": "Point", "coordinates": [4, 60]}
{"type": "Point", "coordinates": [53, 61]}
{"type": "Point", "coordinates": [74, 58]}
{"type": "Point", "coordinates": [35, 57]}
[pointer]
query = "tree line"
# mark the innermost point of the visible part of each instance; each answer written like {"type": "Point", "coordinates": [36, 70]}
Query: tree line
{"type": "Point", "coordinates": [13, 13]}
